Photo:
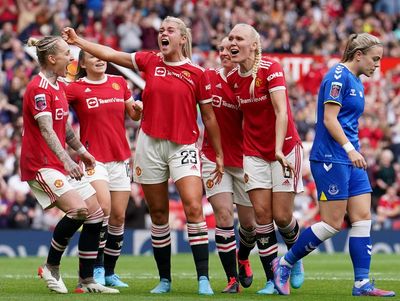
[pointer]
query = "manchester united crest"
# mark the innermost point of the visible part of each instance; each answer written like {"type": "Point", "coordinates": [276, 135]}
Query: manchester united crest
{"type": "Point", "coordinates": [258, 82]}
{"type": "Point", "coordinates": [90, 172]}
{"type": "Point", "coordinates": [186, 73]}
{"type": "Point", "coordinates": [138, 171]}
{"type": "Point", "coordinates": [115, 86]}
{"type": "Point", "coordinates": [58, 183]}
{"type": "Point", "coordinates": [210, 183]}
{"type": "Point", "coordinates": [246, 178]}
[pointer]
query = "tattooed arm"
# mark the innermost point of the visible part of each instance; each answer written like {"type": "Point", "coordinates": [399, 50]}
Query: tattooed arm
{"type": "Point", "coordinates": [45, 123]}
{"type": "Point", "coordinates": [77, 146]}
{"type": "Point", "coordinates": [71, 139]}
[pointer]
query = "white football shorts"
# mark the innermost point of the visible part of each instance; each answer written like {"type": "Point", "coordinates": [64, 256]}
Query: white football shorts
{"type": "Point", "coordinates": [157, 159]}
{"type": "Point", "coordinates": [232, 181]}
{"type": "Point", "coordinates": [270, 175]}
{"type": "Point", "coordinates": [116, 173]}
{"type": "Point", "coordinates": [50, 184]}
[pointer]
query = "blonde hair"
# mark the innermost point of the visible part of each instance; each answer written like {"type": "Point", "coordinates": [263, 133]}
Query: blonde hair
{"type": "Point", "coordinates": [185, 31]}
{"type": "Point", "coordinates": [363, 42]}
{"type": "Point", "coordinates": [257, 59]}
{"type": "Point", "coordinates": [44, 47]}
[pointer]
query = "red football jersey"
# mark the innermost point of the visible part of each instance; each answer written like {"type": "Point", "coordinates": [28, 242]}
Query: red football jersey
{"type": "Point", "coordinates": [170, 96]}
{"type": "Point", "coordinates": [258, 112]}
{"type": "Point", "coordinates": [100, 107]}
{"type": "Point", "coordinates": [42, 98]}
{"type": "Point", "coordinates": [229, 117]}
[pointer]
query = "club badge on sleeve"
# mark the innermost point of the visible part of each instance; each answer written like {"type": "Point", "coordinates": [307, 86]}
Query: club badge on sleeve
{"type": "Point", "coordinates": [335, 89]}
{"type": "Point", "coordinates": [40, 102]}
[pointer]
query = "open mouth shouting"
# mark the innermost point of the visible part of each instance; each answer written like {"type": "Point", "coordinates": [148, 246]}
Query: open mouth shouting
{"type": "Point", "coordinates": [164, 43]}
{"type": "Point", "coordinates": [234, 52]}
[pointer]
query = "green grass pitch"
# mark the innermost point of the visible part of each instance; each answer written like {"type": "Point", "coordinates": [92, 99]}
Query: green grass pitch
{"type": "Point", "coordinates": [328, 277]}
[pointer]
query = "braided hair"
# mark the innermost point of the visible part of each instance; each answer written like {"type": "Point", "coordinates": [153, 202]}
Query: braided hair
{"type": "Point", "coordinates": [44, 47]}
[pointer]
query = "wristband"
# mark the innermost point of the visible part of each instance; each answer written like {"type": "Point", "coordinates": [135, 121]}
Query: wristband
{"type": "Point", "coordinates": [348, 147]}
{"type": "Point", "coordinates": [81, 150]}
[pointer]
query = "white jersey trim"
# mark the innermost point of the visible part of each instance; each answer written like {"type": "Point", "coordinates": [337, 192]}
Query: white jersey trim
{"type": "Point", "coordinates": [278, 88]}
{"type": "Point", "coordinates": [205, 101]}
{"type": "Point", "coordinates": [232, 71]}
{"type": "Point", "coordinates": [195, 65]}
{"type": "Point", "coordinates": [130, 99]}
{"type": "Point", "coordinates": [96, 82]}
{"type": "Point", "coordinates": [133, 58]}
{"type": "Point", "coordinates": [44, 82]}
{"type": "Point", "coordinates": [41, 114]}
{"type": "Point", "coordinates": [180, 63]}
{"type": "Point", "coordinates": [221, 73]}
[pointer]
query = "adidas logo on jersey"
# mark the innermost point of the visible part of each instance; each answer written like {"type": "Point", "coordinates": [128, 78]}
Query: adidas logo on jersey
{"type": "Point", "coordinates": [219, 86]}
{"type": "Point", "coordinates": [235, 86]}
{"type": "Point", "coordinates": [194, 167]}
{"type": "Point", "coordinates": [57, 98]}
{"type": "Point", "coordinates": [286, 182]}
{"type": "Point", "coordinates": [88, 90]}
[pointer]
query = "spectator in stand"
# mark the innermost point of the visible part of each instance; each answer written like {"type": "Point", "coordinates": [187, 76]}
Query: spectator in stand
{"type": "Point", "coordinates": [370, 129]}
{"type": "Point", "coordinates": [166, 143]}
{"type": "Point", "coordinates": [8, 12]}
{"type": "Point", "coordinates": [385, 175]}
{"type": "Point", "coordinates": [149, 25]}
{"type": "Point", "coordinates": [7, 35]}
{"type": "Point", "coordinates": [232, 188]}
{"type": "Point", "coordinates": [8, 111]}
{"type": "Point", "coordinates": [137, 209]}
{"type": "Point", "coordinates": [46, 220]}
{"type": "Point", "coordinates": [311, 80]}
{"type": "Point", "coordinates": [388, 209]}
{"type": "Point", "coordinates": [20, 210]}
{"type": "Point", "coordinates": [130, 33]}
{"type": "Point", "coordinates": [99, 98]}
{"type": "Point", "coordinates": [339, 169]}
{"type": "Point", "coordinates": [4, 202]}
{"type": "Point", "coordinates": [272, 150]}
{"type": "Point", "coordinates": [45, 165]}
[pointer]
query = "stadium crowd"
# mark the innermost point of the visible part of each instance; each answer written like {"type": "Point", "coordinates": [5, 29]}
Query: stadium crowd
{"type": "Point", "coordinates": [286, 27]}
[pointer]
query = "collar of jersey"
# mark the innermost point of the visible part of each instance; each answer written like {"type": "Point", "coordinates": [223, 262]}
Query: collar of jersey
{"type": "Point", "coordinates": [96, 82]}
{"type": "Point", "coordinates": [46, 79]}
{"type": "Point", "coordinates": [222, 74]}
{"type": "Point", "coordinates": [349, 71]}
{"type": "Point", "coordinates": [245, 74]}
{"type": "Point", "coordinates": [180, 63]}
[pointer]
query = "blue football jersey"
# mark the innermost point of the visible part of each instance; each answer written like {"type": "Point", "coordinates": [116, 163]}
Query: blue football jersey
{"type": "Point", "coordinates": [343, 88]}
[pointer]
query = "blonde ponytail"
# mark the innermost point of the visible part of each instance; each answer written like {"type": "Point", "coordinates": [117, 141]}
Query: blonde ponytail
{"type": "Point", "coordinates": [187, 48]}
{"type": "Point", "coordinates": [257, 60]}
{"type": "Point", "coordinates": [362, 42]}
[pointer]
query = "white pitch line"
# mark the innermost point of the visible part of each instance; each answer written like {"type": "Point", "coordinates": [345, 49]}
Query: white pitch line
{"type": "Point", "coordinates": [310, 276]}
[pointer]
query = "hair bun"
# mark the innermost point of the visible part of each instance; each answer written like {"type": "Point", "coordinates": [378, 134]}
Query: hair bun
{"type": "Point", "coordinates": [32, 42]}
